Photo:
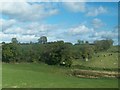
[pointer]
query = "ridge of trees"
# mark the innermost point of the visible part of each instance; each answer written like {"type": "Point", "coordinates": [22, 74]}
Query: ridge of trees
{"type": "Point", "coordinates": [52, 53]}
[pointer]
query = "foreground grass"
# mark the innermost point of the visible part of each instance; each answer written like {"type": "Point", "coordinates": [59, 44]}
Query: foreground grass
{"type": "Point", "coordinates": [44, 76]}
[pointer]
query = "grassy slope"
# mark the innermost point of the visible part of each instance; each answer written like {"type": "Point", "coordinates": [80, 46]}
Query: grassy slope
{"type": "Point", "coordinates": [41, 75]}
{"type": "Point", "coordinates": [101, 61]}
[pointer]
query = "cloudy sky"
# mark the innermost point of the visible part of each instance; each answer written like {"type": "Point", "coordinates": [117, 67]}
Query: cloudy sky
{"type": "Point", "coordinates": [68, 21]}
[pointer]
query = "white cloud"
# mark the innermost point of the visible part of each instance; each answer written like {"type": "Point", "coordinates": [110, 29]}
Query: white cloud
{"type": "Point", "coordinates": [97, 23]}
{"type": "Point", "coordinates": [75, 6]}
{"type": "Point", "coordinates": [21, 38]}
{"type": "Point", "coordinates": [25, 11]}
{"type": "Point", "coordinates": [109, 35]}
{"type": "Point", "coordinates": [39, 29]}
{"type": "Point", "coordinates": [4, 24]}
{"type": "Point", "coordinates": [96, 11]}
{"type": "Point", "coordinates": [6, 37]}
{"type": "Point", "coordinates": [31, 29]}
{"type": "Point", "coordinates": [27, 38]}
{"type": "Point", "coordinates": [17, 30]}
{"type": "Point", "coordinates": [24, 32]}
{"type": "Point", "coordinates": [80, 30]}
{"type": "Point", "coordinates": [105, 35]}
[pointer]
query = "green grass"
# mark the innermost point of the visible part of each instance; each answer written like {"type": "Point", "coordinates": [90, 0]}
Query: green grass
{"type": "Point", "coordinates": [101, 61]}
{"type": "Point", "coordinates": [44, 76]}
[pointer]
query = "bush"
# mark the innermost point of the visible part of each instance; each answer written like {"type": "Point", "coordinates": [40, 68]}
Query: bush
{"type": "Point", "coordinates": [55, 53]}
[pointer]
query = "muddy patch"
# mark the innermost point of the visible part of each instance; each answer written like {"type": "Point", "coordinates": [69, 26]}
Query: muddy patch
{"type": "Point", "coordinates": [94, 74]}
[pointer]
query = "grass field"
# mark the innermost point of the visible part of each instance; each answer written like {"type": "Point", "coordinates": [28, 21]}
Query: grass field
{"type": "Point", "coordinates": [101, 61]}
{"type": "Point", "coordinates": [44, 76]}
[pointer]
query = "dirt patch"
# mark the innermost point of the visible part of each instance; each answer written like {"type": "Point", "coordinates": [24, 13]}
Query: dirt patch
{"type": "Point", "coordinates": [94, 74]}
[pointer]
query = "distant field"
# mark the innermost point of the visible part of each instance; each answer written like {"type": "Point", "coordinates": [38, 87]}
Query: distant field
{"type": "Point", "coordinates": [101, 61]}
{"type": "Point", "coordinates": [44, 76]}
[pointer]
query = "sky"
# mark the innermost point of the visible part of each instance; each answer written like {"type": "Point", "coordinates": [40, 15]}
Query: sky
{"type": "Point", "coordinates": [68, 21]}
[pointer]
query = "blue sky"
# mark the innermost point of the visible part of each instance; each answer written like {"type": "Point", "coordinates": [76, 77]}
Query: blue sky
{"type": "Point", "coordinates": [68, 21]}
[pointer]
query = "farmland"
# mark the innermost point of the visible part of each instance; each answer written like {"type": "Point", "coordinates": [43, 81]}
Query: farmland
{"type": "Point", "coordinates": [39, 66]}
{"type": "Point", "coordinates": [45, 76]}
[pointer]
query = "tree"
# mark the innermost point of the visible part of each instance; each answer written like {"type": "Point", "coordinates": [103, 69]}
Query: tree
{"type": "Point", "coordinates": [87, 42]}
{"type": "Point", "coordinates": [7, 54]}
{"type": "Point", "coordinates": [87, 52]}
{"type": "Point", "coordinates": [51, 54]}
{"type": "Point", "coordinates": [11, 51]}
{"type": "Point", "coordinates": [14, 40]}
{"type": "Point", "coordinates": [110, 42]}
{"type": "Point", "coordinates": [42, 40]}
{"type": "Point", "coordinates": [56, 53]}
{"type": "Point", "coordinates": [103, 45]}
{"type": "Point", "coordinates": [3, 43]}
{"type": "Point", "coordinates": [80, 42]}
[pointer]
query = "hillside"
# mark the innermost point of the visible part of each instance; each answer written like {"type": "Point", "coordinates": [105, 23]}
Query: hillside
{"type": "Point", "coordinates": [40, 75]}
{"type": "Point", "coordinates": [108, 59]}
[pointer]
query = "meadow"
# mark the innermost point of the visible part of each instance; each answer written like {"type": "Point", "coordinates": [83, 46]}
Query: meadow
{"type": "Point", "coordinates": [102, 61]}
{"type": "Point", "coordinates": [24, 75]}
{"type": "Point", "coordinates": [41, 75]}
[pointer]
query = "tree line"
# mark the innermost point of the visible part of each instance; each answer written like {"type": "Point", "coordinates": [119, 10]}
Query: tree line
{"type": "Point", "coordinates": [52, 53]}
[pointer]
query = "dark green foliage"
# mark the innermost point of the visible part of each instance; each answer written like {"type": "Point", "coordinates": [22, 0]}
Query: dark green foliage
{"type": "Point", "coordinates": [87, 51]}
{"type": "Point", "coordinates": [84, 51]}
{"type": "Point", "coordinates": [52, 53]}
{"type": "Point", "coordinates": [14, 40]}
{"type": "Point", "coordinates": [42, 40]}
{"type": "Point", "coordinates": [10, 52]}
{"type": "Point", "coordinates": [87, 42]}
{"type": "Point", "coordinates": [103, 45]}
{"type": "Point", "coordinates": [57, 52]}
{"type": "Point", "coordinates": [6, 53]}
{"type": "Point", "coordinates": [3, 43]}
{"type": "Point", "coordinates": [79, 42]}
